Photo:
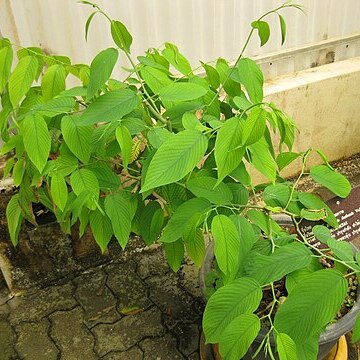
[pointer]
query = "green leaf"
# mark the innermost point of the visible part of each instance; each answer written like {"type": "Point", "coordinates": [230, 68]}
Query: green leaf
{"type": "Point", "coordinates": [313, 215]}
{"type": "Point", "coordinates": [59, 191]}
{"type": "Point", "coordinates": [8, 167]}
{"type": "Point", "coordinates": [263, 31]}
{"type": "Point", "coordinates": [212, 76]}
{"type": "Point", "coordinates": [154, 78]}
{"type": "Point", "coordinates": [151, 62]}
{"type": "Point", "coordinates": [276, 195]}
{"type": "Point", "coordinates": [195, 246]}
{"type": "Point", "coordinates": [254, 126]}
{"type": "Point", "coordinates": [227, 245]}
{"type": "Point", "coordinates": [322, 233]}
{"type": "Point", "coordinates": [242, 296]}
{"type": "Point", "coordinates": [191, 122]}
{"type": "Point", "coordinates": [175, 158]}
{"type": "Point", "coordinates": [157, 136]}
{"type": "Point", "coordinates": [231, 87]}
{"type": "Point", "coordinates": [286, 158]}
{"type": "Point", "coordinates": [77, 138]}
{"type": "Point", "coordinates": [37, 140]}
{"type": "Point", "coordinates": [87, 24]}
{"type": "Point", "coordinates": [151, 222]}
{"type": "Point", "coordinates": [121, 36]}
{"type": "Point", "coordinates": [178, 61]}
{"type": "Point", "coordinates": [101, 229]}
{"type": "Point", "coordinates": [205, 187]}
{"type": "Point", "coordinates": [74, 92]}
{"type": "Point", "coordinates": [240, 174]}
{"type": "Point", "coordinates": [22, 78]}
{"type": "Point", "coordinates": [84, 179]}
{"type": "Point", "coordinates": [282, 28]}
{"type": "Point", "coordinates": [238, 336]}
{"type": "Point", "coordinates": [247, 238]}
{"type": "Point", "coordinates": [84, 221]}
{"type": "Point", "coordinates": [181, 92]}
{"type": "Point", "coordinates": [53, 81]}
{"type": "Point", "coordinates": [356, 330]}
{"type": "Point", "coordinates": [107, 178]}
{"type": "Point", "coordinates": [54, 107]}
{"type": "Point", "coordinates": [308, 350]}
{"type": "Point", "coordinates": [306, 310]}
{"type": "Point", "coordinates": [100, 70]}
{"type": "Point", "coordinates": [18, 172]}
{"type": "Point", "coordinates": [6, 58]}
{"type": "Point", "coordinates": [263, 221]}
{"type": "Point", "coordinates": [114, 105]}
{"type": "Point", "coordinates": [14, 218]}
{"type": "Point", "coordinates": [331, 179]}
{"type": "Point", "coordinates": [263, 160]}
{"type": "Point", "coordinates": [341, 249]}
{"type": "Point", "coordinates": [118, 209]}
{"type": "Point", "coordinates": [228, 151]}
{"type": "Point", "coordinates": [239, 192]}
{"type": "Point", "coordinates": [251, 77]}
{"type": "Point", "coordinates": [284, 260]}
{"type": "Point", "coordinates": [124, 139]}
{"type": "Point", "coordinates": [242, 103]}
{"type": "Point", "coordinates": [298, 276]}
{"type": "Point", "coordinates": [181, 217]}
{"type": "Point", "coordinates": [311, 201]}
{"type": "Point", "coordinates": [286, 347]}
{"type": "Point", "coordinates": [174, 253]}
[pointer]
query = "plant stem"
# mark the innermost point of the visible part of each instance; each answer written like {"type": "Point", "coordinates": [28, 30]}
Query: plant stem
{"type": "Point", "coordinates": [322, 254]}
{"type": "Point", "coordinates": [299, 178]}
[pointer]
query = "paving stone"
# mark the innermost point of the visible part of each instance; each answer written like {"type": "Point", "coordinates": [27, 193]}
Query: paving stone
{"type": "Point", "coordinates": [160, 349]}
{"type": "Point", "coordinates": [132, 354]}
{"type": "Point", "coordinates": [129, 289]}
{"type": "Point", "coordinates": [71, 336]}
{"type": "Point", "coordinates": [189, 279]}
{"type": "Point", "coordinates": [175, 303]}
{"type": "Point", "coordinates": [33, 342]}
{"type": "Point", "coordinates": [188, 337]}
{"type": "Point", "coordinates": [151, 263]}
{"type": "Point", "coordinates": [127, 332]}
{"type": "Point", "coordinates": [96, 299]}
{"type": "Point", "coordinates": [7, 335]}
{"type": "Point", "coordinates": [44, 302]}
{"type": "Point", "coordinates": [194, 356]}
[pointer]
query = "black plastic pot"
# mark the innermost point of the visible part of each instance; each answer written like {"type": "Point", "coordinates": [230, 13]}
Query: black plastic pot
{"type": "Point", "coordinates": [327, 339]}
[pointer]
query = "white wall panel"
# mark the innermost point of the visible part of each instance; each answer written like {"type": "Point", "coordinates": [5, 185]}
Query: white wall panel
{"type": "Point", "coordinates": [203, 29]}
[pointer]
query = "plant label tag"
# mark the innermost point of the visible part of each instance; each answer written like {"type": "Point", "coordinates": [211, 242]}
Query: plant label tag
{"type": "Point", "coordinates": [347, 212]}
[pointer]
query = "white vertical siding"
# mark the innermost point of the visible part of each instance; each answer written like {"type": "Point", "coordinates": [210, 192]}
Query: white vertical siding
{"type": "Point", "coordinates": [203, 29]}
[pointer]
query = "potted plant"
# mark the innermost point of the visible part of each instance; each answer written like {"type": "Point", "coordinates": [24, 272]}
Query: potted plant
{"type": "Point", "coordinates": [166, 157]}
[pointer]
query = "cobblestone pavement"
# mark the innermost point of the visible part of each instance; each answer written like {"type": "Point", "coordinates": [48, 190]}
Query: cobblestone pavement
{"type": "Point", "coordinates": [133, 308]}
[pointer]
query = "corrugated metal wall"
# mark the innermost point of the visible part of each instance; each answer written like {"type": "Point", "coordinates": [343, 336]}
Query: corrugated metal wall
{"type": "Point", "coordinates": [203, 29]}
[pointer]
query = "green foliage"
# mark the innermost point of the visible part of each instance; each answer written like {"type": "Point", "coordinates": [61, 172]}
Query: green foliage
{"type": "Point", "coordinates": [334, 181]}
{"type": "Point", "coordinates": [356, 330]}
{"type": "Point", "coordinates": [100, 70]}
{"type": "Point", "coordinates": [169, 155]}
{"type": "Point", "coordinates": [238, 336]}
{"type": "Point", "coordinates": [227, 242]}
{"type": "Point", "coordinates": [241, 296]}
{"type": "Point", "coordinates": [306, 310]}
{"type": "Point", "coordinates": [175, 158]}
{"type": "Point", "coordinates": [22, 78]}
{"type": "Point", "coordinates": [113, 105]}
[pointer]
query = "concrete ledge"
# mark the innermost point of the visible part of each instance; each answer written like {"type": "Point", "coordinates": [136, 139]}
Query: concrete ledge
{"type": "Point", "coordinates": [324, 102]}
